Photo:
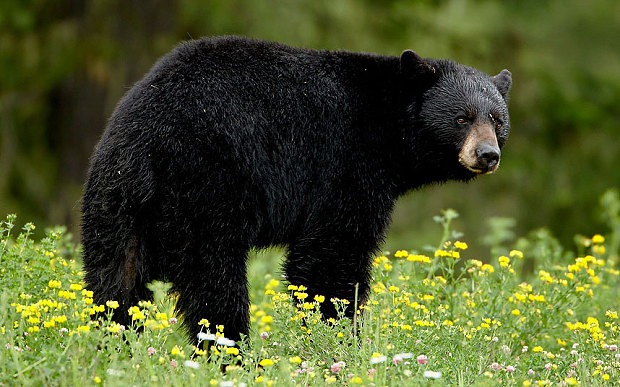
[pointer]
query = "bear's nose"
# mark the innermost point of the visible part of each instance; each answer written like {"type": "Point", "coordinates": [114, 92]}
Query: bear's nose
{"type": "Point", "coordinates": [488, 156]}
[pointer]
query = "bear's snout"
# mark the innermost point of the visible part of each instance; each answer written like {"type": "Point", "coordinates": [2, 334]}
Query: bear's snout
{"type": "Point", "coordinates": [480, 151]}
{"type": "Point", "coordinates": [488, 157]}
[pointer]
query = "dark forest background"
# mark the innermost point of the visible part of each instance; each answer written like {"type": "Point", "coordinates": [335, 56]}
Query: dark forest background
{"type": "Point", "coordinates": [65, 64]}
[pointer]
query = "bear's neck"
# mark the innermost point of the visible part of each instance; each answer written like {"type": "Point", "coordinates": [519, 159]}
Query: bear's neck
{"type": "Point", "coordinates": [382, 116]}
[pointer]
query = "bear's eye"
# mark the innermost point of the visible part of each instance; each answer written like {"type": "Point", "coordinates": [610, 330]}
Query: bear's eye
{"type": "Point", "coordinates": [462, 120]}
{"type": "Point", "coordinates": [496, 121]}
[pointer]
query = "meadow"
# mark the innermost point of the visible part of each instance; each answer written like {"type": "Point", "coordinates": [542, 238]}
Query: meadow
{"type": "Point", "coordinates": [532, 313]}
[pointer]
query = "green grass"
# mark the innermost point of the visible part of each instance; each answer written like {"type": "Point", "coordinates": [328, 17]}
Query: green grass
{"type": "Point", "coordinates": [530, 315]}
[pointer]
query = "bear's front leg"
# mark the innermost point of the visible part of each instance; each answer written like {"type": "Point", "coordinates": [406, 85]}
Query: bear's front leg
{"type": "Point", "coordinates": [334, 262]}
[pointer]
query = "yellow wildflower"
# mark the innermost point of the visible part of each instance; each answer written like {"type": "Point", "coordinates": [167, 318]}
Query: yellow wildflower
{"type": "Point", "coordinates": [561, 342]}
{"type": "Point", "coordinates": [516, 254]}
{"type": "Point", "coordinates": [54, 284]}
{"type": "Point", "coordinates": [136, 313]}
{"type": "Point", "coordinates": [442, 253]}
{"type": "Point", "coordinates": [295, 360]}
{"type": "Point", "coordinates": [460, 245]}
{"type": "Point", "coordinates": [204, 322]}
{"type": "Point", "coordinates": [67, 294]}
{"type": "Point", "coordinates": [177, 351]}
{"type": "Point", "coordinates": [358, 380]}
{"type": "Point", "coordinates": [300, 295]}
{"type": "Point", "coordinates": [111, 304]}
{"type": "Point", "coordinates": [75, 287]}
{"type": "Point", "coordinates": [272, 284]}
{"type": "Point", "coordinates": [606, 377]}
{"type": "Point", "coordinates": [504, 261]}
{"type": "Point", "coordinates": [33, 320]}
{"type": "Point", "coordinates": [418, 258]}
{"type": "Point", "coordinates": [401, 254]}
{"type": "Point", "coordinates": [114, 328]}
{"type": "Point", "coordinates": [571, 381]}
{"type": "Point", "coordinates": [536, 297]}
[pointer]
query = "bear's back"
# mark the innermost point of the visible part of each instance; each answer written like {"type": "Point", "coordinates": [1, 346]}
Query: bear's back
{"type": "Point", "coordinates": [263, 112]}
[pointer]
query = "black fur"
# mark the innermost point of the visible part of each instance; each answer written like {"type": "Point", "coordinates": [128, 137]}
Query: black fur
{"type": "Point", "coordinates": [230, 143]}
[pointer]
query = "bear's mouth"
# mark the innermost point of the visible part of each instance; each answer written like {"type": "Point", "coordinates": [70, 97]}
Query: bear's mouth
{"type": "Point", "coordinates": [478, 169]}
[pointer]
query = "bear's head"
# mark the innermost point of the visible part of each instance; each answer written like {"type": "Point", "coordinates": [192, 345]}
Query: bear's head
{"type": "Point", "coordinates": [458, 117]}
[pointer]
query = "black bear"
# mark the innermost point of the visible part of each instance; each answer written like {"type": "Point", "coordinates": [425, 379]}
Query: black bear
{"type": "Point", "coordinates": [229, 144]}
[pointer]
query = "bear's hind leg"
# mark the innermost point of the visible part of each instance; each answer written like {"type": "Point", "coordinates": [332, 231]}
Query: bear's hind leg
{"type": "Point", "coordinates": [215, 289]}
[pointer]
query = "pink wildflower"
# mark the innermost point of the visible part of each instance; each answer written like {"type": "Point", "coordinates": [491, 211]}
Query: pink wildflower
{"type": "Point", "coordinates": [337, 367]}
{"type": "Point", "coordinates": [510, 369]}
{"type": "Point", "coordinates": [150, 351]}
{"type": "Point", "coordinates": [422, 359]}
{"type": "Point", "coordinates": [495, 366]}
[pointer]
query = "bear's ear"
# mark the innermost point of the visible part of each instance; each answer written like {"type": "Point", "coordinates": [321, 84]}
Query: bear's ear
{"type": "Point", "coordinates": [503, 82]}
{"type": "Point", "coordinates": [412, 66]}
